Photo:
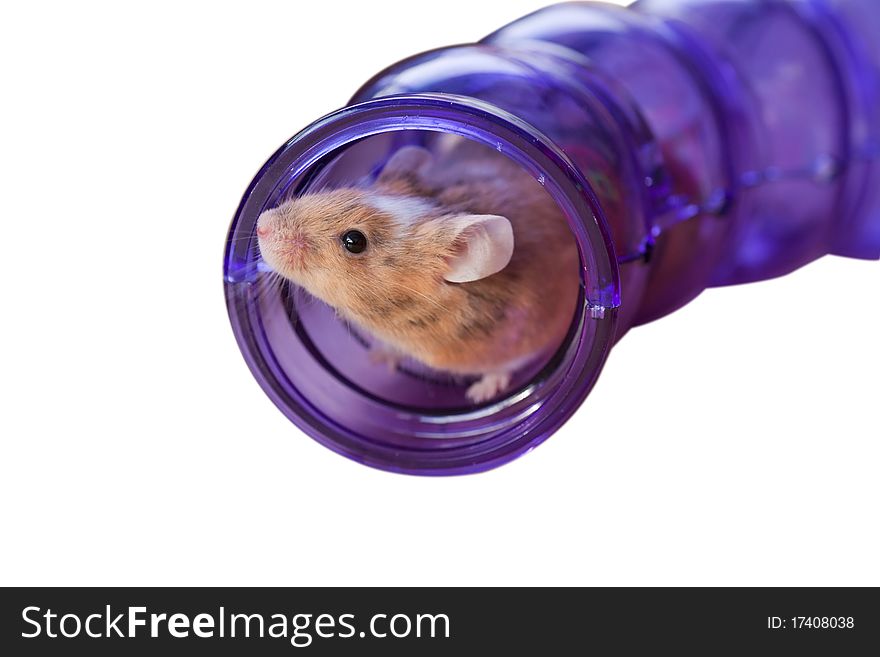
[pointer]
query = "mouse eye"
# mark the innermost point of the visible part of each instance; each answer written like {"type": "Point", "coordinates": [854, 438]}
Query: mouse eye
{"type": "Point", "coordinates": [354, 241]}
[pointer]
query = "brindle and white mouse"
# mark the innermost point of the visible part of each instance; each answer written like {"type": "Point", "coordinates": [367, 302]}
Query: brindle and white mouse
{"type": "Point", "coordinates": [458, 259]}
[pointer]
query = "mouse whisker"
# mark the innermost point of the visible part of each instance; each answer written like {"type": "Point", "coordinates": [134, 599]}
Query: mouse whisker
{"type": "Point", "coordinates": [267, 285]}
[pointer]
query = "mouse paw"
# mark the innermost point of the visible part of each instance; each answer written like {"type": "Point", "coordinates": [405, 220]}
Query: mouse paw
{"type": "Point", "coordinates": [488, 387]}
{"type": "Point", "coordinates": [384, 356]}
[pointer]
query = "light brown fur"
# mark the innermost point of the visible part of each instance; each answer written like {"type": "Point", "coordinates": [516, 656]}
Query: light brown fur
{"type": "Point", "coordinates": [396, 290]}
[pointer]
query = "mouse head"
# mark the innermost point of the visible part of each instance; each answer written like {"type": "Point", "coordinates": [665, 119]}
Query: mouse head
{"type": "Point", "coordinates": [369, 251]}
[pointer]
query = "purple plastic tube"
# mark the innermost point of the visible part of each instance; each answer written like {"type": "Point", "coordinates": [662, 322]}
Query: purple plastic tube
{"type": "Point", "coordinates": [689, 143]}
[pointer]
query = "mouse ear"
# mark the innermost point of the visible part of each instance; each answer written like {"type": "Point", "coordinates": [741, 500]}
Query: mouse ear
{"type": "Point", "coordinates": [407, 162]}
{"type": "Point", "coordinates": [484, 246]}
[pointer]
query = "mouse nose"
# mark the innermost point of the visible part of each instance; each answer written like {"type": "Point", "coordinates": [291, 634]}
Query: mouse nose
{"type": "Point", "coordinates": [265, 222]}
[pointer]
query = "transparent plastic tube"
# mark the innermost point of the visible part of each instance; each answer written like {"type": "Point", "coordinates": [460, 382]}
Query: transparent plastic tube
{"type": "Point", "coordinates": [689, 143]}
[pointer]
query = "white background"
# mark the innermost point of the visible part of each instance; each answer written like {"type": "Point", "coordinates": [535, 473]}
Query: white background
{"type": "Point", "coordinates": [733, 442]}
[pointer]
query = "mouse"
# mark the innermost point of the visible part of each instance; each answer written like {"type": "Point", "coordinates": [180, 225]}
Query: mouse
{"type": "Point", "coordinates": [454, 256]}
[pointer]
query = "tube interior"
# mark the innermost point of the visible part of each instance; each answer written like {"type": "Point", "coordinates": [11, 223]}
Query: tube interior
{"type": "Point", "coordinates": [301, 328]}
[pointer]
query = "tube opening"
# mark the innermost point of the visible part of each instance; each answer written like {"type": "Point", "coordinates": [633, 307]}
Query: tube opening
{"type": "Point", "coordinates": [358, 380]}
